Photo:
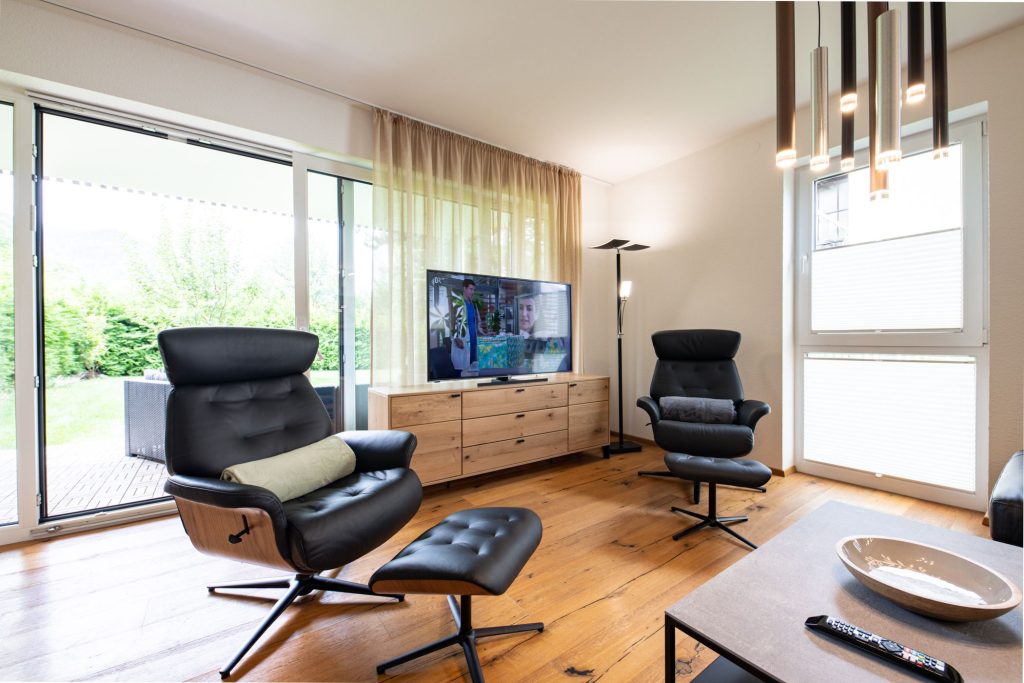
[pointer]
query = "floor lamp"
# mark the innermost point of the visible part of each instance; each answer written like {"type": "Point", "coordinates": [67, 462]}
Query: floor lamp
{"type": "Point", "coordinates": [622, 291]}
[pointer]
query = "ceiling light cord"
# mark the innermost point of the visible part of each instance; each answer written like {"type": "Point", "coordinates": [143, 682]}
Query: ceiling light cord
{"type": "Point", "coordinates": [819, 24]}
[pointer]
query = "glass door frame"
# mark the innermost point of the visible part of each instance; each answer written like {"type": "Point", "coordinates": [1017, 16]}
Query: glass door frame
{"type": "Point", "coordinates": [968, 127]}
{"type": "Point", "coordinates": [302, 165]}
{"type": "Point", "coordinates": [30, 525]}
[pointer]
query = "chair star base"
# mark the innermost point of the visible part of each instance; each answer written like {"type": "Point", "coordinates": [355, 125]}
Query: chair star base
{"type": "Point", "coordinates": [466, 637]}
{"type": "Point", "coordinates": [301, 584]}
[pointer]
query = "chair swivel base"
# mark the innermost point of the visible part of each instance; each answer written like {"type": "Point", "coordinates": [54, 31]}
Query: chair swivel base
{"type": "Point", "coordinates": [301, 584]}
{"type": "Point", "coordinates": [466, 637]}
{"type": "Point", "coordinates": [712, 520]}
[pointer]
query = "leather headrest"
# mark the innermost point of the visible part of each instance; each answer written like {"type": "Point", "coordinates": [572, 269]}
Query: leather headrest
{"type": "Point", "coordinates": [696, 344]}
{"type": "Point", "coordinates": [219, 355]}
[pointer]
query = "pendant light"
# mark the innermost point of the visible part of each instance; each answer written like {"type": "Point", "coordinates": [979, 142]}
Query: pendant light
{"type": "Point", "coordinates": [915, 52]}
{"type": "Point", "coordinates": [878, 178]}
{"type": "Point", "coordinates": [940, 86]}
{"type": "Point", "coordinates": [889, 100]}
{"type": "Point", "coordinates": [819, 104]}
{"type": "Point", "coordinates": [785, 85]}
{"type": "Point", "coordinates": [848, 93]}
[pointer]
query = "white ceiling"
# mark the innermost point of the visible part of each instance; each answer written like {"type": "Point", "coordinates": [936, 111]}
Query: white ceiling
{"type": "Point", "coordinates": [610, 88]}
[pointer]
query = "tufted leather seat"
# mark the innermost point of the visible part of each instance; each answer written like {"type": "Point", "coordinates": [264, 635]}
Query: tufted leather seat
{"type": "Point", "coordinates": [471, 552]}
{"type": "Point", "coordinates": [729, 471]}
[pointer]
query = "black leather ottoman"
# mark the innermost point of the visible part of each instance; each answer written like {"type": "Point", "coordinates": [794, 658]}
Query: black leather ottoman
{"type": "Point", "coordinates": [471, 552]}
{"type": "Point", "coordinates": [714, 471]}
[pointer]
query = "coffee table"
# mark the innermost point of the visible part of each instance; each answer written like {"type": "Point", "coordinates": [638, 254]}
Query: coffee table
{"type": "Point", "coordinates": [753, 613]}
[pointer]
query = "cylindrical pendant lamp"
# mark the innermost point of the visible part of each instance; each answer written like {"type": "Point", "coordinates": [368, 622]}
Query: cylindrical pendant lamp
{"type": "Point", "coordinates": [848, 31]}
{"type": "Point", "coordinates": [879, 179]}
{"type": "Point", "coordinates": [915, 55]}
{"type": "Point", "coordinates": [785, 85]}
{"type": "Point", "coordinates": [819, 109]}
{"type": "Point", "coordinates": [848, 93]}
{"type": "Point", "coordinates": [940, 86]}
{"type": "Point", "coordinates": [889, 100]}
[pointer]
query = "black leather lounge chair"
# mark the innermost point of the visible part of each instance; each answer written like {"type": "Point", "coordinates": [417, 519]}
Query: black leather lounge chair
{"type": "Point", "coordinates": [239, 395]}
{"type": "Point", "coordinates": [699, 363]}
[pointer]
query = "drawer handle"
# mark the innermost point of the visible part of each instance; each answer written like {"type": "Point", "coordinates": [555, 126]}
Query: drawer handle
{"type": "Point", "coordinates": [572, 385]}
{"type": "Point", "coordinates": [520, 415]}
{"type": "Point", "coordinates": [454, 395]}
{"type": "Point", "coordinates": [519, 391]}
{"type": "Point", "coordinates": [520, 440]}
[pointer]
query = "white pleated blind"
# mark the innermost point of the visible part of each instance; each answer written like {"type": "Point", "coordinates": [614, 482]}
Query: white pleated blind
{"type": "Point", "coordinates": [906, 283]}
{"type": "Point", "coordinates": [889, 265]}
{"type": "Point", "coordinates": [911, 417]}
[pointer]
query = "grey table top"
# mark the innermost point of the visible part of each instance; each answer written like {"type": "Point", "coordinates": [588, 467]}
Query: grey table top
{"type": "Point", "coordinates": [756, 608]}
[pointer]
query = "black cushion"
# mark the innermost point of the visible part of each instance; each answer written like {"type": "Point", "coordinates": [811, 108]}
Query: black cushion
{"type": "Point", "coordinates": [343, 521]}
{"type": "Point", "coordinates": [696, 344]}
{"type": "Point", "coordinates": [696, 363]}
{"type": "Point", "coordinates": [218, 355]}
{"type": "Point", "coordinates": [748, 473]}
{"type": "Point", "coordinates": [721, 441]}
{"type": "Point", "coordinates": [211, 427]}
{"type": "Point", "coordinates": [1004, 509]}
{"type": "Point", "coordinates": [484, 549]}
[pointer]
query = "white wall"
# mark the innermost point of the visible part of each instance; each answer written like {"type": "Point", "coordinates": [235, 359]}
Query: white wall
{"type": "Point", "coordinates": [721, 255]}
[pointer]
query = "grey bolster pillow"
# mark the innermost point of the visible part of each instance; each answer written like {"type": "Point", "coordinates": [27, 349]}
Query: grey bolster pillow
{"type": "Point", "coordinates": [295, 473]}
{"type": "Point", "coordinates": [702, 410]}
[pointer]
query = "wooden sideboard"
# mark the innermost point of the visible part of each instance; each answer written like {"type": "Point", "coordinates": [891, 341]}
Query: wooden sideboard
{"type": "Point", "coordinates": [463, 428]}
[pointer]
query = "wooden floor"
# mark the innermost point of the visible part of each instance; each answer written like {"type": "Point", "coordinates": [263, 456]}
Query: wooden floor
{"type": "Point", "coordinates": [130, 603]}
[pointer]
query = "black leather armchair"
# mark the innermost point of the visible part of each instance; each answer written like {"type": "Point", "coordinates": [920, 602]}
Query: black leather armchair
{"type": "Point", "coordinates": [239, 395]}
{"type": "Point", "coordinates": [699, 363]}
{"type": "Point", "coordinates": [1006, 519]}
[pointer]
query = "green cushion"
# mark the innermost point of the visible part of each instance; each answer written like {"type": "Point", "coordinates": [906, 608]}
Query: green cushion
{"type": "Point", "coordinates": [296, 473]}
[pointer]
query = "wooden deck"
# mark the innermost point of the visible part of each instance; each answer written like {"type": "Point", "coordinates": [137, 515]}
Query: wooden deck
{"type": "Point", "coordinates": [86, 476]}
{"type": "Point", "coordinates": [130, 603]}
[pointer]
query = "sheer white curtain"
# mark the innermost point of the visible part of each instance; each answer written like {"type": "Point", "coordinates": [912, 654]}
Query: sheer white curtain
{"type": "Point", "coordinates": [446, 202]}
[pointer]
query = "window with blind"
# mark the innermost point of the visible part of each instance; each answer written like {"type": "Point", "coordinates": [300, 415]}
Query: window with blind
{"type": "Point", "coordinates": [891, 358]}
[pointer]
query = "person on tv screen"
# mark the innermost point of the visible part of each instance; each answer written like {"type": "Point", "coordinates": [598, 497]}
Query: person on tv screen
{"type": "Point", "coordinates": [467, 321]}
{"type": "Point", "coordinates": [527, 316]}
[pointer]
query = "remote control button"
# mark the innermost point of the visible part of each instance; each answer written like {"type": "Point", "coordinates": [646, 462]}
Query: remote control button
{"type": "Point", "coordinates": [891, 646]}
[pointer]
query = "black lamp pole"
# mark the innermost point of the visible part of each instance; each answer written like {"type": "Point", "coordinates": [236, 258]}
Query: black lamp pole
{"type": "Point", "coordinates": [622, 446]}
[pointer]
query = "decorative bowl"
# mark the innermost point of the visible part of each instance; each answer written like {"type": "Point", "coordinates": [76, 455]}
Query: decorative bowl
{"type": "Point", "coordinates": [928, 580]}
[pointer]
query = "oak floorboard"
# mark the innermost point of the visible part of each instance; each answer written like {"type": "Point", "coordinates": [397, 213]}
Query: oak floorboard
{"type": "Point", "coordinates": [129, 603]}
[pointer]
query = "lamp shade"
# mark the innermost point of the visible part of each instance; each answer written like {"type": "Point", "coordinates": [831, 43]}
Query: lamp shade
{"type": "Point", "coordinates": [915, 52]}
{"type": "Point", "coordinates": [889, 97]}
{"type": "Point", "coordinates": [785, 85]}
{"type": "Point", "coordinates": [625, 289]}
{"type": "Point", "coordinates": [819, 109]}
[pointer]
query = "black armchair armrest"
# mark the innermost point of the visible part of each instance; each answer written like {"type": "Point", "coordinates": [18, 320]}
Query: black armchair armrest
{"type": "Point", "coordinates": [650, 406]}
{"type": "Point", "coordinates": [381, 449]}
{"type": "Point", "coordinates": [228, 494]}
{"type": "Point", "coordinates": [749, 412]}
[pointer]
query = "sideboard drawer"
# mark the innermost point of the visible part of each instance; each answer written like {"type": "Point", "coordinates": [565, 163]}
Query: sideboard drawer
{"type": "Point", "coordinates": [492, 456]}
{"type": "Point", "coordinates": [588, 391]}
{"type": "Point", "coordinates": [513, 400]}
{"type": "Point", "coordinates": [438, 453]}
{"type": "Point", "coordinates": [499, 427]}
{"type": "Point", "coordinates": [425, 408]}
{"type": "Point", "coordinates": [588, 425]}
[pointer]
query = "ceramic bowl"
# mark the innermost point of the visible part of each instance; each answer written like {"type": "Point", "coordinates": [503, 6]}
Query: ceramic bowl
{"type": "Point", "coordinates": [928, 580]}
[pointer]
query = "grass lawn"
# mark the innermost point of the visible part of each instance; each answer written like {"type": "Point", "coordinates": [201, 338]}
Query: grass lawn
{"type": "Point", "coordinates": [94, 408]}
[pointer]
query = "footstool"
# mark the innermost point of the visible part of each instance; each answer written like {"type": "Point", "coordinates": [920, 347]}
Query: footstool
{"type": "Point", "coordinates": [471, 552]}
{"type": "Point", "coordinates": [714, 471]}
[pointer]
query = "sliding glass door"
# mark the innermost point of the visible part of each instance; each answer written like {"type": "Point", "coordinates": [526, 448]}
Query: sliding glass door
{"type": "Point", "coordinates": [339, 234]}
{"type": "Point", "coordinates": [139, 232]}
{"type": "Point", "coordinates": [8, 454]}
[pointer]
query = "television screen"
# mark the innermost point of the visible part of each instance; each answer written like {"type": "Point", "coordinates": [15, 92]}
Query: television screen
{"type": "Point", "coordinates": [489, 326]}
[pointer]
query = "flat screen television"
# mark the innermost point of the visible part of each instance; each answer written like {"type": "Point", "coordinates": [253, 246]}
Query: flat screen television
{"type": "Point", "coordinates": [509, 326]}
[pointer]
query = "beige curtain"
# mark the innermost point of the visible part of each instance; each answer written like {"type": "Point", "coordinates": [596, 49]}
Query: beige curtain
{"type": "Point", "coordinates": [447, 202]}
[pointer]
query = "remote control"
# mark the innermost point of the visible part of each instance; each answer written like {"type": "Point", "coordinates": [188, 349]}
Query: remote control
{"type": "Point", "coordinates": [885, 649]}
